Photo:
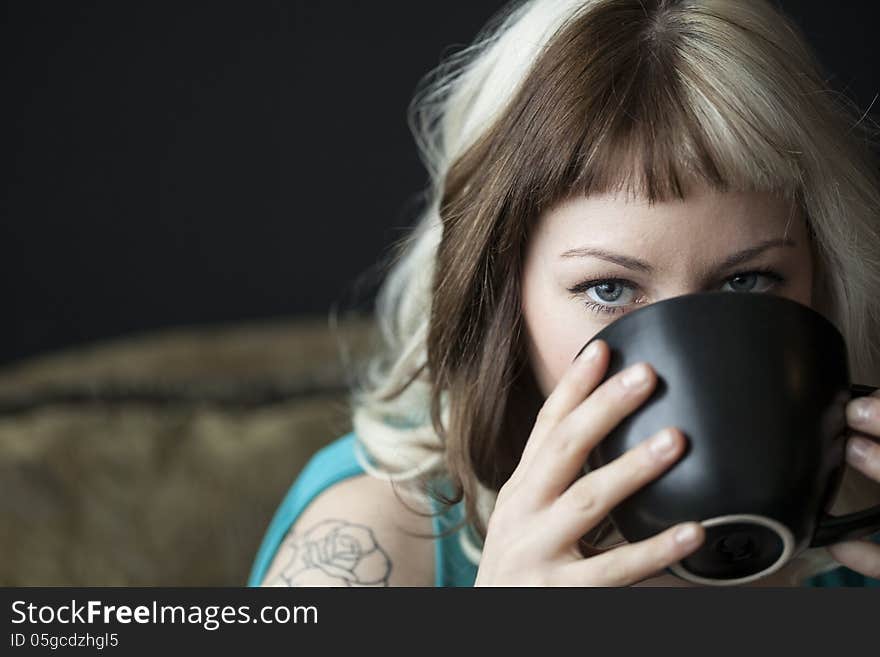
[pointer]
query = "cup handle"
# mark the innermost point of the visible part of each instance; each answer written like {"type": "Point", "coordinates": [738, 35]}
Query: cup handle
{"type": "Point", "coordinates": [833, 529]}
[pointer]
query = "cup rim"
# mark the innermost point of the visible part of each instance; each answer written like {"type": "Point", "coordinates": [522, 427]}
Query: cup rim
{"type": "Point", "coordinates": [664, 305]}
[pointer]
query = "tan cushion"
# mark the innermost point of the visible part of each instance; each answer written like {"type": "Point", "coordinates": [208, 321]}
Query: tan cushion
{"type": "Point", "coordinates": [159, 459]}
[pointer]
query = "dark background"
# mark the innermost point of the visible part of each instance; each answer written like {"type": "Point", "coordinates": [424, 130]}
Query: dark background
{"type": "Point", "coordinates": [190, 163]}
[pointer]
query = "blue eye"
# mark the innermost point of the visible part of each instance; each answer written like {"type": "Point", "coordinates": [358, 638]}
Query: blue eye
{"type": "Point", "coordinates": [609, 296]}
{"type": "Point", "coordinates": [609, 292]}
{"type": "Point", "coordinates": [750, 282]}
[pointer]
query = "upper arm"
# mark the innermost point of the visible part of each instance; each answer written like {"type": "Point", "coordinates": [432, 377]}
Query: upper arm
{"type": "Point", "coordinates": [356, 533]}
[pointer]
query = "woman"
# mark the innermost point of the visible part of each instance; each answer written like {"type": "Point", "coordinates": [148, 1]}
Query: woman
{"type": "Point", "coordinates": [587, 157]}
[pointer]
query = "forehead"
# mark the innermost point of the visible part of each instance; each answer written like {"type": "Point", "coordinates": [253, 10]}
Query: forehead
{"type": "Point", "coordinates": [703, 218]}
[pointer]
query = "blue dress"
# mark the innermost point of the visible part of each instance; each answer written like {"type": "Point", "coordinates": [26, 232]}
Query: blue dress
{"type": "Point", "coordinates": [337, 462]}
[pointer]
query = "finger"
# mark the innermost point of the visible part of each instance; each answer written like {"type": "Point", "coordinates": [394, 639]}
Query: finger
{"type": "Point", "coordinates": [594, 495]}
{"type": "Point", "coordinates": [860, 556]}
{"type": "Point", "coordinates": [566, 448]}
{"type": "Point", "coordinates": [863, 414]}
{"type": "Point", "coordinates": [864, 455]}
{"type": "Point", "coordinates": [578, 381]}
{"type": "Point", "coordinates": [634, 562]}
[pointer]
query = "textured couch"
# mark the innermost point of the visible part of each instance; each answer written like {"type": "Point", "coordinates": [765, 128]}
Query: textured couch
{"type": "Point", "coordinates": [159, 459]}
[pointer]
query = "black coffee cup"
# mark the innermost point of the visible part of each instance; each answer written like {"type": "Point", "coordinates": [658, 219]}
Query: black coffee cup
{"type": "Point", "coordinates": [758, 384]}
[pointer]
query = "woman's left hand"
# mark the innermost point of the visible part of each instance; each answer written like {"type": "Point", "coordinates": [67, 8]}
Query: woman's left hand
{"type": "Point", "coordinates": [862, 453]}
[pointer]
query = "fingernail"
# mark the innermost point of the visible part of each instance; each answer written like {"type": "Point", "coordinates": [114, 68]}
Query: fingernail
{"type": "Point", "coordinates": [686, 535]}
{"type": "Point", "coordinates": [857, 448]}
{"type": "Point", "coordinates": [590, 352]}
{"type": "Point", "coordinates": [858, 412]}
{"type": "Point", "coordinates": [663, 444]}
{"type": "Point", "coordinates": [635, 376]}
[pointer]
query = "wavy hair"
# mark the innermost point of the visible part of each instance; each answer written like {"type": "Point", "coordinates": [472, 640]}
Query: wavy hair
{"type": "Point", "coordinates": [563, 98]}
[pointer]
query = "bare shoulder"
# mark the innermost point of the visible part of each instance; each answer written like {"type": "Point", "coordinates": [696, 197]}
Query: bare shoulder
{"type": "Point", "coordinates": [357, 532]}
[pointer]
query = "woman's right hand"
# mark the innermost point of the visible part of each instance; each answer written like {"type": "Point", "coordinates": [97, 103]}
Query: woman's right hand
{"type": "Point", "coordinates": [540, 514]}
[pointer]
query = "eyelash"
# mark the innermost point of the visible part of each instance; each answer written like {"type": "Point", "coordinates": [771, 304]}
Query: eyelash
{"type": "Point", "coordinates": [581, 288]}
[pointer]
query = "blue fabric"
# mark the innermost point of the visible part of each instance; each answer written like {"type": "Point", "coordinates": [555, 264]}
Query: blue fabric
{"type": "Point", "coordinates": [337, 462]}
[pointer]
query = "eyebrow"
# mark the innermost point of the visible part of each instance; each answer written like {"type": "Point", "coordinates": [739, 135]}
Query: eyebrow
{"type": "Point", "coordinates": [639, 265]}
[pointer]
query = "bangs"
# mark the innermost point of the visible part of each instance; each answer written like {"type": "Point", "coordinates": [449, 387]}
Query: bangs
{"type": "Point", "coordinates": [652, 112]}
